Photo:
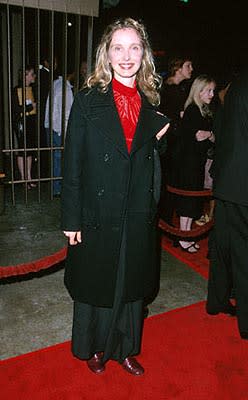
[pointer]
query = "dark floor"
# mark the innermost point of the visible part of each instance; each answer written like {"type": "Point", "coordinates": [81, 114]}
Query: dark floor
{"type": "Point", "coordinates": [29, 231]}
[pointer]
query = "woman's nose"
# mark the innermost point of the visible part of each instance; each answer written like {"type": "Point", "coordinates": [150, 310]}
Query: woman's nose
{"type": "Point", "coordinates": [126, 55]}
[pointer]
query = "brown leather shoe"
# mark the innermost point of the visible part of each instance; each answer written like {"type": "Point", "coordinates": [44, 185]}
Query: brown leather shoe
{"type": "Point", "coordinates": [95, 363]}
{"type": "Point", "coordinates": [131, 365]}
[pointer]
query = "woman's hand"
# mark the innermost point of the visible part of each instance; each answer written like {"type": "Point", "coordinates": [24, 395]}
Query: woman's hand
{"type": "Point", "coordinates": [162, 132]}
{"type": "Point", "coordinates": [74, 237]}
{"type": "Point", "coordinates": [203, 135]}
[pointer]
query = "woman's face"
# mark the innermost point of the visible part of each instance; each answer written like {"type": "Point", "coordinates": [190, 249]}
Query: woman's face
{"type": "Point", "coordinates": [186, 70]}
{"type": "Point", "coordinates": [125, 55]}
{"type": "Point", "coordinates": [207, 93]}
{"type": "Point", "coordinates": [30, 77]}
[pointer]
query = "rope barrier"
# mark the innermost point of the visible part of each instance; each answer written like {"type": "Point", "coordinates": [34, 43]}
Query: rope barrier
{"type": "Point", "coordinates": [195, 231]}
{"type": "Point", "coordinates": [197, 193]}
{"type": "Point", "coordinates": [185, 234]}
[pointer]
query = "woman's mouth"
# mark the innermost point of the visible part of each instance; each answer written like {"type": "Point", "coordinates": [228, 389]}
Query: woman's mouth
{"type": "Point", "coordinates": [126, 66]}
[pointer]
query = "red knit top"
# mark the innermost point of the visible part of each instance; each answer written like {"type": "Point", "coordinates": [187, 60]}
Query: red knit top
{"type": "Point", "coordinates": [128, 103]}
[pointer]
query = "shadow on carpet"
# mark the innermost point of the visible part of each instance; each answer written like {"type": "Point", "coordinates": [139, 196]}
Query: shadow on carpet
{"type": "Point", "coordinates": [185, 355]}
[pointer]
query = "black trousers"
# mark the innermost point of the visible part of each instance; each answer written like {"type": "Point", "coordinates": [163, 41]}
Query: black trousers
{"type": "Point", "coordinates": [228, 252]}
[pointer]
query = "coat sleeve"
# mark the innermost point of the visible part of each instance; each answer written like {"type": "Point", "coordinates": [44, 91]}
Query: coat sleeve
{"type": "Point", "coordinates": [71, 201]}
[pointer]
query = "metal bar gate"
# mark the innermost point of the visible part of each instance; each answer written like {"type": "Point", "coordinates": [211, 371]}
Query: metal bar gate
{"type": "Point", "coordinates": [37, 42]}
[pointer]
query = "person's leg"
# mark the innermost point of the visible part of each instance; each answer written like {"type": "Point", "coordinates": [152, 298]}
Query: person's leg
{"type": "Point", "coordinates": [20, 164]}
{"type": "Point", "coordinates": [57, 140]}
{"type": "Point", "coordinates": [89, 333]}
{"type": "Point", "coordinates": [185, 225]}
{"type": "Point", "coordinates": [220, 280]}
{"type": "Point", "coordinates": [238, 221]}
{"type": "Point", "coordinates": [29, 167]}
{"type": "Point", "coordinates": [211, 208]}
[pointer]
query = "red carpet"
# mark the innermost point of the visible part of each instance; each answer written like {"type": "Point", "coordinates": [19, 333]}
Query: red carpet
{"type": "Point", "coordinates": [198, 261]}
{"type": "Point", "coordinates": [187, 355]}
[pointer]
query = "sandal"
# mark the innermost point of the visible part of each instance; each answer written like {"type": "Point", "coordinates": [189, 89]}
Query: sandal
{"type": "Point", "coordinates": [203, 220]}
{"type": "Point", "coordinates": [187, 249]}
{"type": "Point", "coordinates": [31, 185]}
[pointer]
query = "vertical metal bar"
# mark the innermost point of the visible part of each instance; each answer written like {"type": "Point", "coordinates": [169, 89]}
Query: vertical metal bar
{"type": "Point", "coordinates": [38, 94]}
{"type": "Point", "coordinates": [51, 62]}
{"type": "Point", "coordinates": [10, 106]}
{"type": "Point", "coordinates": [24, 100]}
{"type": "Point", "coordinates": [65, 45]}
{"type": "Point", "coordinates": [77, 52]}
{"type": "Point", "coordinates": [64, 88]}
{"type": "Point", "coordinates": [89, 44]}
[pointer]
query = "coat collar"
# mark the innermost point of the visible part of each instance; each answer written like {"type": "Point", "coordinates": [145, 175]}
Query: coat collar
{"type": "Point", "coordinates": [103, 113]}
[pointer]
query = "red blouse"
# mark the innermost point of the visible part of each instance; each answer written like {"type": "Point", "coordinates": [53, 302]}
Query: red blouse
{"type": "Point", "coordinates": [128, 103]}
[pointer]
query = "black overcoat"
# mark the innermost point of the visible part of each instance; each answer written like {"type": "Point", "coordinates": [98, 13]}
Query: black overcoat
{"type": "Point", "coordinates": [104, 190]}
{"type": "Point", "coordinates": [230, 163]}
{"type": "Point", "coordinates": [190, 154]}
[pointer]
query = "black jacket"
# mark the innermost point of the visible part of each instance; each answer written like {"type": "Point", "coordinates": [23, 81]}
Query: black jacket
{"type": "Point", "coordinates": [231, 147]}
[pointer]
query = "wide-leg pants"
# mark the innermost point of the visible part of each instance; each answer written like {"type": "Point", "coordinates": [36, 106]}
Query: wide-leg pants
{"type": "Point", "coordinates": [228, 251]}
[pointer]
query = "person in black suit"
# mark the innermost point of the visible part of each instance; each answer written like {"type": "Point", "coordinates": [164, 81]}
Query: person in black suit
{"type": "Point", "coordinates": [109, 198]}
{"type": "Point", "coordinates": [228, 243]}
{"type": "Point", "coordinates": [44, 91]}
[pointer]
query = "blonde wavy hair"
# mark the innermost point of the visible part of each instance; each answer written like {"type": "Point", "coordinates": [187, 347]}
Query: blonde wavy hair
{"type": "Point", "coordinates": [148, 81]}
{"type": "Point", "coordinates": [198, 85]}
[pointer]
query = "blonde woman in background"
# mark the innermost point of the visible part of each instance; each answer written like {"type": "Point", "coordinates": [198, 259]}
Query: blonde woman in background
{"type": "Point", "coordinates": [195, 137]}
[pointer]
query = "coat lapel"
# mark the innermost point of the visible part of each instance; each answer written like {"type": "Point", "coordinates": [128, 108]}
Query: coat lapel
{"type": "Point", "coordinates": [149, 124]}
{"type": "Point", "coordinates": [104, 115]}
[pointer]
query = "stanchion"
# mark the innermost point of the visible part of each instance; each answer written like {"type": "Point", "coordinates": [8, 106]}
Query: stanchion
{"type": "Point", "coordinates": [195, 232]}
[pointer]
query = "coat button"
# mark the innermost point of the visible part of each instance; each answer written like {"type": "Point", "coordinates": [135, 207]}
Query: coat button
{"type": "Point", "coordinates": [151, 190]}
{"type": "Point", "coordinates": [149, 157]}
{"type": "Point", "coordinates": [101, 192]}
{"type": "Point", "coordinates": [106, 157]}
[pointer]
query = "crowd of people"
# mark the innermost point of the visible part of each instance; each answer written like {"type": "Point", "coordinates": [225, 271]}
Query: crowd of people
{"type": "Point", "coordinates": [51, 117]}
{"type": "Point", "coordinates": [130, 135]}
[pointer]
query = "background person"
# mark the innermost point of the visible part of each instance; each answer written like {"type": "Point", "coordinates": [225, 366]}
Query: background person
{"type": "Point", "coordinates": [108, 199]}
{"type": "Point", "coordinates": [173, 96]}
{"type": "Point", "coordinates": [25, 133]}
{"type": "Point", "coordinates": [228, 239]}
{"type": "Point", "coordinates": [195, 137]}
{"type": "Point", "coordinates": [57, 116]}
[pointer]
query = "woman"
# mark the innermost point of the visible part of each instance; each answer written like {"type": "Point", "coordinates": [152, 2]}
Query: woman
{"type": "Point", "coordinates": [25, 137]}
{"type": "Point", "coordinates": [108, 198]}
{"type": "Point", "coordinates": [195, 137]}
{"type": "Point", "coordinates": [174, 93]}
{"type": "Point", "coordinates": [173, 96]}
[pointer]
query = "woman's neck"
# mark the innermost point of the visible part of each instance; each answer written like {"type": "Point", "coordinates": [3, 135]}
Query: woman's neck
{"type": "Point", "coordinates": [129, 82]}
